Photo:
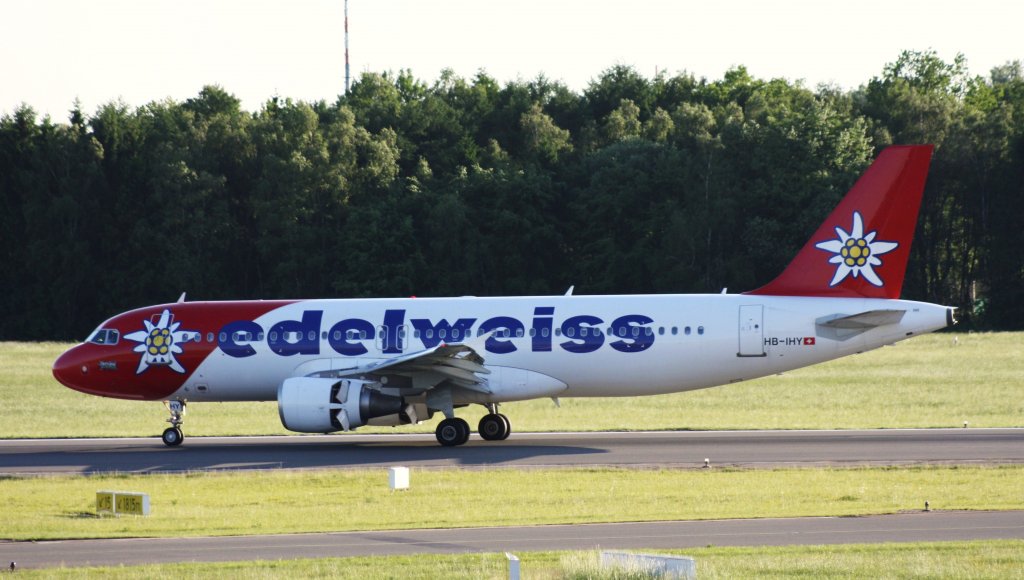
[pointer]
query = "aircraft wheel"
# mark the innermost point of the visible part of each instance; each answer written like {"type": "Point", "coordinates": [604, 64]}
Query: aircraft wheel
{"type": "Point", "coordinates": [508, 426]}
{"type": "Point", "coordinates": [493, 427]}
{"type": "Point", "coordinates": [452, 432]}
{"type": "Point", "coordinates": [172, 436]}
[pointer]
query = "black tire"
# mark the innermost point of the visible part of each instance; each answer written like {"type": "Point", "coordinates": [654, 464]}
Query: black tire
{"type": "Point", "coordinates": [172, 436]}
{"type": "Point", "coordinates": [508, 426]}
{"type": "Point", "coordinates": [452, 432]}
{"type": "Point", "coordinates": [466, 430]}
{"type": "Point", "coordinates": [493, 428]}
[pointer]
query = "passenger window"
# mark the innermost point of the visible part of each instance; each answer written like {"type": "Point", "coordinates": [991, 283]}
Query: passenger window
{"type": "Point", "coordinates": [273, 336]}
{"type": "Point", "coordinates": [209, 337]}
{"type": "Point", "coordinates": [441, 333]}
{"type": "Point", "coordinates": [636, 331]}
{"type": "Point", "coordinates": [337, 335]}
{"type": "Point", "coordinates": [687, 331]}
{"type": "Point", "coordinates": [223, 337]}
{"type": "Point", "coordinates": [519, 332]}
{"type": "Point", "coordinates": [259, 336]}
{"type": "Point", "coordinates": [430, 333]}
{"type": "Point", "coordinates": [533, 332]}
{"type": "Point", "coordinates": [558, 332]}
{"type": "Point", "coordinates": [323, 335]}
{"type": "Point", "coordinates": [455, 333]}
{"type": "Point", "coordinates": [570, 332]}
{"type": "Point", "coordinates": [675, 330]}
{"type": "Point", "coordinates": [416, 333]}
{"type": "Point", "coordinates": [312, 335]}
{"type": "Point", "coordinates": [545, 332]}
{"type": "Point", "coordinates": [700, 330]}
{"type": "Point", "coordinates": [583, 332]}
{"type": "Point", "coordinates": [661, 330]}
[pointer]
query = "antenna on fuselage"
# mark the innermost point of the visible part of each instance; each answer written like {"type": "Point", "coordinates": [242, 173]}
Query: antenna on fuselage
{"type": "Point", "coordinates": [181, 298]}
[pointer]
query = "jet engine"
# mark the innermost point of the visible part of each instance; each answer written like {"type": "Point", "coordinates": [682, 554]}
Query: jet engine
{"type": "Point", "coordinates": [319, 405]}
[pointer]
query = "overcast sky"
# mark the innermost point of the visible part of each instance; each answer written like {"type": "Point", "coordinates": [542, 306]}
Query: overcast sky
{"type": "Point", "coordinates": [53, 51]}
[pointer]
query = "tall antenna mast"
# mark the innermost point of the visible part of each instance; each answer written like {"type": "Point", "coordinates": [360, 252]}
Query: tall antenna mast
{"type": "Point", "coordinates": [346, 47]}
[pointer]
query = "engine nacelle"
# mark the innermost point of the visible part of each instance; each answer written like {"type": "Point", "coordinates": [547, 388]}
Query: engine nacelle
{"type": "Point", "coordinates": [316, 405]}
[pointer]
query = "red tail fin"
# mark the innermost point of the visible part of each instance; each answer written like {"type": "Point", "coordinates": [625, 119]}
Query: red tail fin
{"type": "Point", "coordinates": [861, 250]}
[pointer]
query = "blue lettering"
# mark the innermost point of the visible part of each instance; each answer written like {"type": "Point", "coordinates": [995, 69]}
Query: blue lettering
{"type": "Point", "coordinates": [456, 332]}
{"type": "Point", "coordinates": [304, 334]}
{"type": "Point", "coordinates": [393, 321]}
{"type": "Point", "coordinates": [636, 337]}
{"type": "Point", "coordinates": [232, 348]}
{"type": "Point", "coordinates": [542, 328]}
{"type": "Point", "coordinates": [501, 344]}
{"type": "Point", "coordinates": [582, 334]}
{"type": "Point", "coordinates": [338, 337]}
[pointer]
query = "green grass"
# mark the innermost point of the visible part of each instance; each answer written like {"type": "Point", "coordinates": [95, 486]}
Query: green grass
{"type": "Point", "coordinates": [233, 503]}
{"type": "Point", "coordinates": [924, 382]}
{"type": "Point", "coordinates": [995, 559]}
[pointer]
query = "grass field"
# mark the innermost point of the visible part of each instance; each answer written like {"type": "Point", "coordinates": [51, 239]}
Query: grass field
{"type": "Point", "coordinates": [993, 559]}
{"type": "Point", "coordinates": [929, 381]}
{"type": "Point", "coordinates": [234, 503]}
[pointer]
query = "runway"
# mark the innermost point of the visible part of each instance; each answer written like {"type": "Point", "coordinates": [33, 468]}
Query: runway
{"type": "Point", "coordinates": [677, 449]}
{"type": "Point", "coordinates": [932, 526]}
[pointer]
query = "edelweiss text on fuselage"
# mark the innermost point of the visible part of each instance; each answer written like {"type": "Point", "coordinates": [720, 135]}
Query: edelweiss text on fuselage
{"type": "Point", "coordinates": [579, 334]}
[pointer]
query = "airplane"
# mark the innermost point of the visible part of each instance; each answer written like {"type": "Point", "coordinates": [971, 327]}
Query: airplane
{"type": "Point", "coordinates": [339, 364]}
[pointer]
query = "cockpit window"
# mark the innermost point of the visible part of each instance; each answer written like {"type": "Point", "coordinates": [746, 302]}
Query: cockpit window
{"type": "Point", "coordinates": [104, 336]}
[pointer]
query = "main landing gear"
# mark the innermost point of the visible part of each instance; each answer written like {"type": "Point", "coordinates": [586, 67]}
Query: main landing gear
{"type": "Point", "coordinates": [173, 435]}
{"type": "Point", "coordinates": [454, 431]}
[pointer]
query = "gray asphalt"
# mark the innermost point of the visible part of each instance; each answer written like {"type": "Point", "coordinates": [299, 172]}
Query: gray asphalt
{"type": "Point", "coordinates": [651, 449]}
{"type": "Point", "coordinates": [932, 526]}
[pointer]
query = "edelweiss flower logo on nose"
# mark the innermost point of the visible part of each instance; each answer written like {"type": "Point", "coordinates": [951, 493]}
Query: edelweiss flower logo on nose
{"type": "Point", "coordinates": [856, 253]}
{"type": "Point", "coordinates": [160, 342]}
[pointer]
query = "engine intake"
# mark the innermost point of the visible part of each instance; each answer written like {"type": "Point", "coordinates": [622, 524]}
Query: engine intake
{"type": "Point", "coordinates": [317, 405]}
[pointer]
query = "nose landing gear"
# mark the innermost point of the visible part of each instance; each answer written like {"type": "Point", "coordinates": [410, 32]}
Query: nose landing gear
{"type": "Point", "coordinates": [173, 436]}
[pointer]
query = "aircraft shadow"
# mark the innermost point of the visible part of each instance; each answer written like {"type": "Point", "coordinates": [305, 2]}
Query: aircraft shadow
{"type": "Point", "coordinates": [299, 453]}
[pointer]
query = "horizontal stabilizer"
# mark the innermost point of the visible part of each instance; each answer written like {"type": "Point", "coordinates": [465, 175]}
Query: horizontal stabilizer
{"type": "Point", "coordinates": [862, 321]}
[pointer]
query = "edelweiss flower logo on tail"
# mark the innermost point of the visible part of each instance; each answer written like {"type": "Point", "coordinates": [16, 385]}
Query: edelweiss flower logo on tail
{"type": "Point", "coordinates": [856, 253]}
{"type": "Point", "coordinates": [160, 342]}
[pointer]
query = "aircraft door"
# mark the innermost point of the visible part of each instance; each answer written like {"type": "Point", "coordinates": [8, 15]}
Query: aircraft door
{"type": "Point", "coordinates": [751, 330]}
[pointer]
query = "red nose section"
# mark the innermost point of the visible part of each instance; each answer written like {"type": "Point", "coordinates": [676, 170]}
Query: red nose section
{"type": "Point", "coordinates": [109, 372]}
{"type": "Point", "coordinates": [71, 369]}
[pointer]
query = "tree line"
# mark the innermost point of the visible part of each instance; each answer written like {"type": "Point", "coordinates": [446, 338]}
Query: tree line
{"type": "Point", "coordinates": [466, 186]}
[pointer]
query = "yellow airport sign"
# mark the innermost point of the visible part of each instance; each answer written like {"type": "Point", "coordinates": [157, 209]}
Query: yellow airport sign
{"type": "Point", "coordinates": [122, 502]}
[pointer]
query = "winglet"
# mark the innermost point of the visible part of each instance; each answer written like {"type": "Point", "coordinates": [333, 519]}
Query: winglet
{"type": "Point", "coordinates": [861, 250]}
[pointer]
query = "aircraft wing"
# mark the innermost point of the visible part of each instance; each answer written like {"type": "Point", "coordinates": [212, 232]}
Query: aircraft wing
{"type": "Point", "coordinates": [459, 364]}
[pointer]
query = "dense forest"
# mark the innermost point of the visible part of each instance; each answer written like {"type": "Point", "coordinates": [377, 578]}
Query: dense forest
{"type": "Point", "coordinates": [467, 186]}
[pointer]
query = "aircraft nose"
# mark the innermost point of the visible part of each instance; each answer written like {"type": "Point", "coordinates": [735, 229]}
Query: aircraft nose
{"type": "Point", "coordinates": [70, 369]}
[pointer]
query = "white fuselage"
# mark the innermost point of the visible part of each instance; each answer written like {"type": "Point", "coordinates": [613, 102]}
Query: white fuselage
{"type": "Point", "coordinates": [692, 341]}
